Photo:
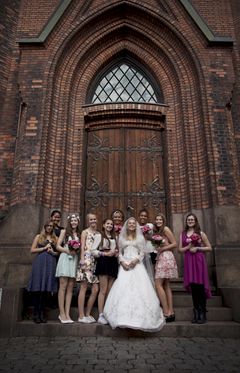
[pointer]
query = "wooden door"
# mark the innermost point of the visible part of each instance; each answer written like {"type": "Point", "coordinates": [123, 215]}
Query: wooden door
{"type": "Point", "coordinates": [124, 170]}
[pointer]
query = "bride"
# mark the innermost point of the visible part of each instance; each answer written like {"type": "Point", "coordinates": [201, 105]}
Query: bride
{"type": "Point", "coordinates": [132, 301]}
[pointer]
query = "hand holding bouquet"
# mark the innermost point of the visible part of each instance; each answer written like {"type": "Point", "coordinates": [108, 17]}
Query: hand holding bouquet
{"type": "Point", "coordinates": [195, 239]}
{"type": "Point", "coordinates": [145, 230]}
{"type": "Point", "coordinates": [157, 240]}
{"type": "Point", "coordinates": [73, 246]}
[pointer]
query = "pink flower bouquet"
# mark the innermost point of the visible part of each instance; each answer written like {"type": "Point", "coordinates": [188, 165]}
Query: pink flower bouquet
{"type": "Point", "coordinates": [195, 239]}
{"type": "Point", "coordinates": [145, 229]}
{"type": "Point", "coordinates": [117, 228]}
{"type": "Point", "coordinates": [157, 240]}
{"type": "Point", "coordinates": [73, 245]}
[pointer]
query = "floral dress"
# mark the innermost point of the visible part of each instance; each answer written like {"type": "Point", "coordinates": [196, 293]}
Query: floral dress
{"type": "Point", "coordinates": [87, 272]}
{"type": "Point", "coordinates": [166, 266]}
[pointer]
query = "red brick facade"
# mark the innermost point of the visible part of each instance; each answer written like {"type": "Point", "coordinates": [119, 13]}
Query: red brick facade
{"type": "Point", "coordinates": [52, 52]}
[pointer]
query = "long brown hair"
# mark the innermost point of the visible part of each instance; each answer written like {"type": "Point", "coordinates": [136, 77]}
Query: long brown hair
{"type": "Point", "coordinates": [112, 233]}
{"type": "Point", "coordinates": [43, 235]}
{"type": "Point", "coordinates": [197, 228]}
{"type": "Point", "coordinates": [162, 228]}
{"type": "Point", "coordinates": [69, 230]}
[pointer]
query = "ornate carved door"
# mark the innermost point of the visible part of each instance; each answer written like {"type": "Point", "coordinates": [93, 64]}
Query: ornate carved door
{"type": "Point", "coordinates": [124, 170]}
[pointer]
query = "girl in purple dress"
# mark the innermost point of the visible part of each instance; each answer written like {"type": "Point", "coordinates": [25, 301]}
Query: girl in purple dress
{"type": "Point", "coordinates": [42, 279]}
{"type": "Point", "coordinates": [194, 244]}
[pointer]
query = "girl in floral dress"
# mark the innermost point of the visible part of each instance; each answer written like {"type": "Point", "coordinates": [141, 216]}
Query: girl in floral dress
{"type": "Point", "coordinates": [166, 266]}
{"type": "Point", "coordinates": [67, 267]}
{"type": "Point", "coordinates": [90, 241]}
{"type": "Point", "coordinates": [194, 244]}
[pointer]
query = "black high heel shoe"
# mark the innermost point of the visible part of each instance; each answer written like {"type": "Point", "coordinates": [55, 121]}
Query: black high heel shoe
{"type": "Point", "coordinates": [170, 318]}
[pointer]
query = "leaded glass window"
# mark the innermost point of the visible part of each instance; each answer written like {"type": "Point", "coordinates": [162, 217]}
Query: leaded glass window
{"type": "Point", "coordinates": [124, 83]}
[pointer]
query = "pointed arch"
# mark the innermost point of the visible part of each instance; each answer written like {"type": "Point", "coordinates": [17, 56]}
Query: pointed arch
{"type": "Point", "coordinates": [124, 80]}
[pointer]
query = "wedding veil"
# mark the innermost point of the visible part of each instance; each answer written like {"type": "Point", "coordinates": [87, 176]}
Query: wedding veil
{"type": "Point", "coordinates": [123, 237]}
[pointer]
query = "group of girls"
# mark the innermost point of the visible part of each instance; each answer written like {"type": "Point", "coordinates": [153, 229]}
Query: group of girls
{"type": "Point", "coordinates": [122, 251]}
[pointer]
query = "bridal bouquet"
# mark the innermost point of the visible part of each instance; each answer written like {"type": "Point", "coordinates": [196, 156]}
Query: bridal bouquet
{"type": "Point", "coordinates": [195, 239]}
{"type": "Point", "coordinates": [74, 246]}
{"type": "Point", "coordinates": [157, 240]}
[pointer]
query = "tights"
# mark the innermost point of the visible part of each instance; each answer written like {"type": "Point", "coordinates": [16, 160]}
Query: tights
{"type": "Point", "coordinates": [39, 302]}
{"type": "Point", "coordinates": [198, 296]}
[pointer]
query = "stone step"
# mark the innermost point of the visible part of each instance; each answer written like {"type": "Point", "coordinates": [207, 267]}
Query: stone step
{"type": "Point", "coordinates": [185, 300]}
{"type": "Point", "coordinates": [213, 314]}
{"type": "Point", "coordinates": [182, 313]}
{"type": "Point", "coordinates": [178, 287]}
{"type": "Point", "coordinates": [212, 329]}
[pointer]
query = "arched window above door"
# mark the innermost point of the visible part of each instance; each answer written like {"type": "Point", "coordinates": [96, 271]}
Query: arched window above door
{"type": "Point", "coordinates": [125, 82]}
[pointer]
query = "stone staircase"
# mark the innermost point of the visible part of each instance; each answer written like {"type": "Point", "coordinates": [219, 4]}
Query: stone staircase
{"type": "Point", "coordinates": [219, 323]}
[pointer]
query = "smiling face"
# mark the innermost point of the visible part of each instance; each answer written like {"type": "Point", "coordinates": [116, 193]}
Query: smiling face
{"type": "Point", "coordinates": [143, 218]}
{"type": "Point", "coordinates": [131, 225]}
{"type": "Point", "coordinates": [56, 218]}
{"type": "Point", "coordinates": [48, 227]}
{"type": "Point", "coordinates": [108, 226]}
{"type": "Point", "coordinates": [117, 218]}
{"type": "Point", "coordinates": [190, 221]}
{"type": "Point", "coordinates": [74, 222]}
{"type": "Point", "coordinates": [92, 221]}
{"type": "Point", "coordinates": [159, 221]}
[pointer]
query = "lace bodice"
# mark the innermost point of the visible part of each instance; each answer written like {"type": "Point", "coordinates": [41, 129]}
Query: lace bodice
{"type": "Point", "coordinates": [130, 251]}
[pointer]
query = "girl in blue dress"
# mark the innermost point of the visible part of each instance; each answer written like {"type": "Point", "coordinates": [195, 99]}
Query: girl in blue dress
{"type": "Point", "coordinates": [67, 266]}
{"type": "Point", "coordinates": [42, 280]}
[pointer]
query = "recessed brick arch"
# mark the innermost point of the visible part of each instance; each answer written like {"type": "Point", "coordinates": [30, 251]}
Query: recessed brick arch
{"type": "Point", "coordinates": [174, 68]}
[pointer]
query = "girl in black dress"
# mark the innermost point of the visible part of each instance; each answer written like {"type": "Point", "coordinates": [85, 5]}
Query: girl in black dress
{"type": "Point", "coordinates": [107, 266]}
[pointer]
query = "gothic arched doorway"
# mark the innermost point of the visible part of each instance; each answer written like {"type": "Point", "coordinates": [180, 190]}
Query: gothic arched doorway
{"type": "Point", "coordinates": [124, 154]}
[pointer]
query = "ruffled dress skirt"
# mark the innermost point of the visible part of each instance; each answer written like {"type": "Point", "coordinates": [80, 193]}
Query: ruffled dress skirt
{"type": "Point", "coordinates": [132, 302]}
{"type": "Point", "coordinates": [67, 265]}
{"type": "Point", "coordinates": [42, 277]}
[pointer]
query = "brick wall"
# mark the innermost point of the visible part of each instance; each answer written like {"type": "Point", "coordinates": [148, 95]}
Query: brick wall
{"type": "Point", "coordinates": [235, 108]}
{"type": "Point", "coordinates": [54, 79]}
{"type": "Point", "coordinates": [9, 11]}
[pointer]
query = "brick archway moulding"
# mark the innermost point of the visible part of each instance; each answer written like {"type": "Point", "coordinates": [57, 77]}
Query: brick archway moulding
{"type": "Point", "coordinates": [174, 67]}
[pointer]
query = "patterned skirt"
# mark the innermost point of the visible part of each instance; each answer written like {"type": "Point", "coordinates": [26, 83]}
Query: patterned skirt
{"type": "Point", "coordinates": [166, 266]}
{"type": "Point", "coordinates": [87, 272]}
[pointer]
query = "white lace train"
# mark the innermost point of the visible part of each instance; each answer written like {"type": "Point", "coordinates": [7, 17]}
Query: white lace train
{"type": "Point", "coordinates": [133, 303]}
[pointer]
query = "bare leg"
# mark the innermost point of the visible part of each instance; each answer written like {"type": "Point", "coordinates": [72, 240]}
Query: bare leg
{"type": "Point", "coordinates": [92, 299]}
{"type": "Point", "coordinates": [61, 296]}
{"type": "Point", "coordinates": [103, 280]}
{"type": "Point", "coordinates": [162, 295]}
{"type": "Point", "coordinates": [110, 284]}
{"type": "Point", "coordinates": [81, 299]}
{"type": "Point", "coordinates": [168, 292]}
{"type": "Point", "coordinates": [69, 292]}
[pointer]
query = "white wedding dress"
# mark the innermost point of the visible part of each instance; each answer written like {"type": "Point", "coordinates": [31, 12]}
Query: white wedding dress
{"type": "Point", "coordinates": [132, 301]}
